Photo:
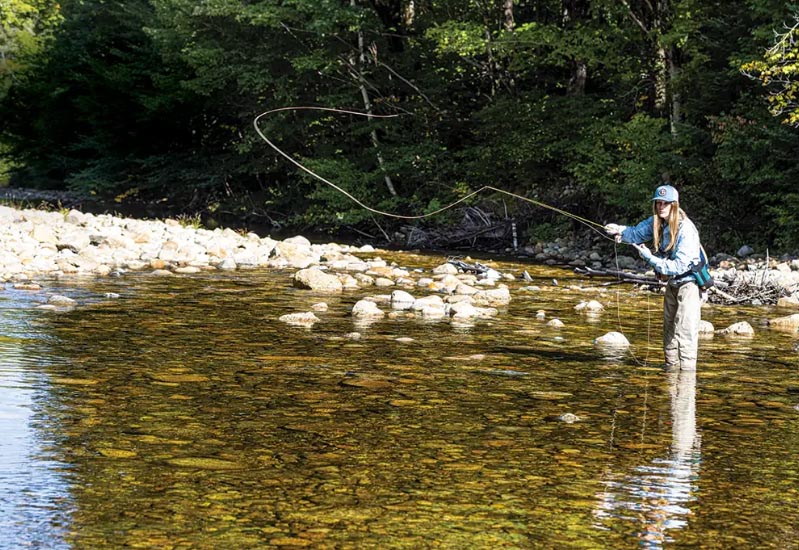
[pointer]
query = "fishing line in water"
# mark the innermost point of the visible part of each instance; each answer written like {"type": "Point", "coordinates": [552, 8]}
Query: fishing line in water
{"type": "Point", "coordinates": [592, 225]}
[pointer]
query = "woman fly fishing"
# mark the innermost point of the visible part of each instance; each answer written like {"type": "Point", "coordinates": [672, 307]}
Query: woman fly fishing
{"type": "Point", "coordinates": [679, 259]}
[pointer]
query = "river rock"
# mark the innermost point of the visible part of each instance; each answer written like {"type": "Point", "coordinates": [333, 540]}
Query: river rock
{"type": "Point", "coordinates": [433, 311]}
{"type": "Point", "coordinates": [592, 306]}
{"type": "Point", "coordinates": [298, 240]}
{"type": "Point", "coordinates": [555, 323]}
{"type": "Point", "coordinates": [789, 322]}
{"type": "Point", "coordinates": [401, 300]}
{"type": "Point", "coordinates": [745, 251]}
{"type": "Point", "coordinates": [366, 309]}
{"type": "Point", "coordinates": [463, 310]}
{"type": "Point", "coordinates": [706, 327]}
{"type": "Point", "coordinates": [616, 339]}
{"type": "Point", "coordinates": [314, 278]}
{"type": "Point", "coordinates": [445, 269]}
{"type": "Point", "coordinates": [364, 279]}
{"type": "Point", "coordinates": [789, 301]}
{"type": "Point", "coordinates": [61, 301]}
{"type": "Point", "coordinates": [297, 255]}
{"type": "Point", "coordinates": [741, 328]}
{"type": "Point", "coordinates": [428, 301]}
{"type": "Point", "coordinates": [305, 319]}
{"type": "Point", "coordinates": [491, 297]}
{"type": "Point", "coordinates": [384, 282]}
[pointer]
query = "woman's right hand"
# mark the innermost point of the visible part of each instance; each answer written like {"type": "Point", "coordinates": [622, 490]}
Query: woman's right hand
{"type": "Point", "coordinates": [615, 230]}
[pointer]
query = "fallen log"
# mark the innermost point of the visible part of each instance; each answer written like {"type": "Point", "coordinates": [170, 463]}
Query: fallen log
{"type": "Point", "coordinates": [620, 276]}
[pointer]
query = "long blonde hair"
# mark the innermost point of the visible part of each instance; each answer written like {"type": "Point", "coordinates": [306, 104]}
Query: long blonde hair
{"type": "Point", "coordinates": [676, 215]}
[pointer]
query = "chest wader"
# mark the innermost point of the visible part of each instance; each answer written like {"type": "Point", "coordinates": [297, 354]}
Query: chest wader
{"type": "Point", "coordinates": [682, 306]}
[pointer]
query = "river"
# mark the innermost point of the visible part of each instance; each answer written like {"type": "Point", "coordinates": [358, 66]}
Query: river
{"type": "Point", "coordinates": [184, 415]}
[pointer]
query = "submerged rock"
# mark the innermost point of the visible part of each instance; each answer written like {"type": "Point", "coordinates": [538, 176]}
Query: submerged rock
{"type": "Point", "coordinates": [591, 306]}
{"type": "Point", "coordinates": [401, 300]}
{"type": "Point", "coordinates": [789, 322]}
{"type": "Point", "coordinates": [366, 309]}
{"type": "Point", "coordinates": [62, 301]}
{"type": "Point", "coordinates": [314, 278]}
{"type": "Point", "coordinates": [738, 329]}
{"type": "Point", "coordinates": [569, 418]}
{"type": "Point", "coordinates": [616, 339]}
{"type": "Point", "coordinates": [706, 327]}
{"type": "Point", "coordinates": [305, 319]}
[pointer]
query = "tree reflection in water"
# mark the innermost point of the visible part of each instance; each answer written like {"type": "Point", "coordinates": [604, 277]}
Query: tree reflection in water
{"type": "Point", "coordinates": [657, 495]}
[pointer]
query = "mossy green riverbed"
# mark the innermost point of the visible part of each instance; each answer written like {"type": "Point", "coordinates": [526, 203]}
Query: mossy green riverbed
{"type": "Point", "coordinates": [184, 415]}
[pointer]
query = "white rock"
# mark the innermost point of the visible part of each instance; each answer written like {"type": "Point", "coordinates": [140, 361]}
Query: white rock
{"type": "Point", "coordinates": [616, 339]}
{"type": "Point", "coordinates": [299, 240]}
{"type": "Point", "coordinates": [706, 327]}
{"type": "Point", "coordinates": [366, 309]}
{"type": "Point", "coordinates": [445, 269]}
{"type": "Point", "coordinates": [492, 297]}
{"type": "Point", "coordinates": [789, 323]}
{"type": "Point", "coordinates": [315, 279]}
{"type": "Point", "coordinates": [428, 301]}
{"type": "Point", "coordinates": [401, 300]}
{"type": "Point", "coordinates": [63, 301]}
{"type": "Point", "coordinates": [306, 318]}
{"type": "Point", "coordinates": [591, 306]}
{"type": "Point", "coordinates": [738, 329]}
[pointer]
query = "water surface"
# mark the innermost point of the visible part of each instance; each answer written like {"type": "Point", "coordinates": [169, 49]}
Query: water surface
{"type": "Point", "coordinates": [184, 415]}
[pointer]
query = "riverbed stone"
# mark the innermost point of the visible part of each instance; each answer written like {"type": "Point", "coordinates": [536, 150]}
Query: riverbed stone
{"type": "Point", "coordinates": [61, 301]}
{"type": "Point", "coordinates": [384, 282]}
{"type": "Point", "coordinates": [305, 318]}
{"type": "Point", "coordinates": [401, 300]}
{"type": "Point", "coordinates": [789, 301]}
{"type": "Point", "coordinates": [492, 297]}
{"type": "Point", "coordinates": [706, 327]}
{"type": "Point", "coordinates": [445, 269]}
{"type": "Point", "coordinates": [367, 309]}
{"type": "Point", "coordinates": [741, 328]}
{"type": "Point", "coordinates": [314, 278]}
{"type": "Point", "coordinates": [616, 339]}
{"type": "Point", "coordinates": [789, 323]}
{"type": "Point", "coordinates": [591, 306]}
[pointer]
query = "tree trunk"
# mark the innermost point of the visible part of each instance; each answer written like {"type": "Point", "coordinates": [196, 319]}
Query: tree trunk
{"type": "Point", "coordinates": [367, 105]}
{"type": "Point", "coordinates": [676, 98]}
{"type": "Point", "coordinates": [507, 15]}
{"type": "Point", "coordinates": [410, 14]}
{"type": "Point", "coordinates": [576, 86]}
{"type": "Point", "coordinates": [575, 10]}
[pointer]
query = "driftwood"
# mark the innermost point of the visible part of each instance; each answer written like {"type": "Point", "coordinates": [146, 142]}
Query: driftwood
{"type": "Point", "coordinates": [475, 225]}
{"type": "Point", "coordinates": [756, 290]}
{"type": "Point", "coordinates": [620, 276]}
{"type": "Point", "coordinates": [476, 267]}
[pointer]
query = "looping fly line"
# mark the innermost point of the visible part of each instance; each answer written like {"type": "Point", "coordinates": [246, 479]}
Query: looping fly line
{"type": "Point", "coordinates": [598, 228]}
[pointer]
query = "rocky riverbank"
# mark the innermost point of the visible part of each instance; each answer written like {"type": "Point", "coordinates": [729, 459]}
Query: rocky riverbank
{"type": "Point", "coordinates": [38, 244]}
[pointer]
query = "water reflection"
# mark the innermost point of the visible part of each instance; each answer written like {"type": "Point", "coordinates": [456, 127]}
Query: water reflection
{"type": "Point", "coordinates": [33, 492]}
{"type": "Point", "coordinates": [657, 496]}
{"type": "Point", "coordinates": [190, 417]}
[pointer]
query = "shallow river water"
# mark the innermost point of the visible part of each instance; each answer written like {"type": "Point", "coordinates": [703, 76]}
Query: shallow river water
{"type": "Point", "coordinates": [184, 415]}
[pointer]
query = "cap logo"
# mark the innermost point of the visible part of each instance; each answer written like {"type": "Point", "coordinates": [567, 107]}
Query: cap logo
{"type": "Point", "coordinates": [662, 192]}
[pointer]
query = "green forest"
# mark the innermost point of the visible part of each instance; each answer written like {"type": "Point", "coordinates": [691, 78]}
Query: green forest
{"type": "Point", "coordinates": [586, 105]}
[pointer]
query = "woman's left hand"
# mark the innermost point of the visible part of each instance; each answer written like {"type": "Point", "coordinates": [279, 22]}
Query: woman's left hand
{"type": "Point", "coordinates": [643, 251]}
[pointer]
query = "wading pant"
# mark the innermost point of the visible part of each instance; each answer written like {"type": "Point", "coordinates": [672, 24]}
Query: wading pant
{"type": "Point", "coordinates": [682, 307]}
